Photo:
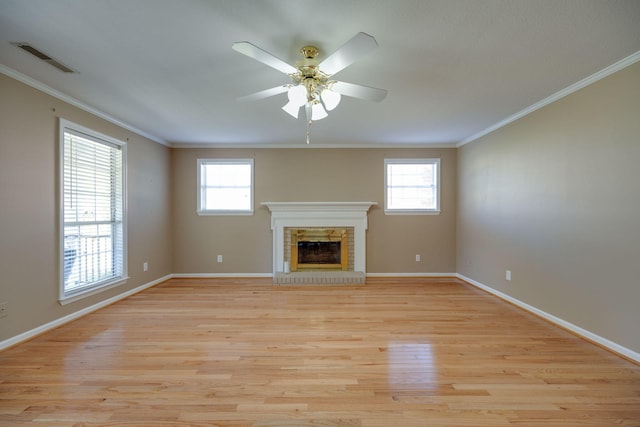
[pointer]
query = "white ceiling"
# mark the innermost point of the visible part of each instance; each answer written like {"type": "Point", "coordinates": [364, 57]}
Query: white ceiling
{"type": "Point", "coordinates": [453, 68]}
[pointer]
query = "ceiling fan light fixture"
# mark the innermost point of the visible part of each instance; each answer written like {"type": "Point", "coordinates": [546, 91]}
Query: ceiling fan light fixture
{"type": "Point", "coordinates": [292, 108]}
{"type": "Point", "coordinates": [297, 95]}
{"type": "Point", "coordinates": [330, 99]}
{"type": "Point", "coordinates": [310, 86]}
{"type": "Point", "coordinates": [317, 111]}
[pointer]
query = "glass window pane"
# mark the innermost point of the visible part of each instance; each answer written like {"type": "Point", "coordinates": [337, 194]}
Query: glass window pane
{"type": "Point", "coordinates": [225, 186]}
{"type": "Point", "coordinates": [412, 185]}
{"type": "Point", "coordinates": [227, 199]}
{"type": "Point", "coordinates": [228, 175]}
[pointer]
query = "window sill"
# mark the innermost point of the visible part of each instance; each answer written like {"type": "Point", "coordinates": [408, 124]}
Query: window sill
{"type": "Point", "coordinates": [224, 213]}
{"type": "Point", "coordinates": [76, 296]}
{"type": "Point", "coordinates": [411, 212]}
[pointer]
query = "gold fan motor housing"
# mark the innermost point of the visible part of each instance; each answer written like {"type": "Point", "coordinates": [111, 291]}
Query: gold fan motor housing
{"type": "Point", "coordinates": [309, 51]}
{"type": "Point", "coordinates": [308, 67]}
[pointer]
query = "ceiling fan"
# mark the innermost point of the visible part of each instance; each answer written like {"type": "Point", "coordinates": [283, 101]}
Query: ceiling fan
{"type": "Point", "coordinates": [311, 86]}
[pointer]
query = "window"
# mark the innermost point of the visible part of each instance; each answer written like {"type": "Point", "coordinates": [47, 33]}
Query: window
{"type": "Point", "coordinates": [93, 222]}
{"type": "Point", "coordinates": [225, 186]}
{"type": "Point", "coordinates": [412, 186]}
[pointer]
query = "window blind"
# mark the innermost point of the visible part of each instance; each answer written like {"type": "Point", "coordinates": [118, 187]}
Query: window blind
{"type": "Point", "coordinates": [93, 212]}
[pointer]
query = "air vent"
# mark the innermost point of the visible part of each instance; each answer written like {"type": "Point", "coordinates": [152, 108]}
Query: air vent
{"type": "Point", "coordinates": [43, 56]}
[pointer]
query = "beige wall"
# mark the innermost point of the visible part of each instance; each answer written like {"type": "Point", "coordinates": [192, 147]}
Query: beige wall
{"type": "Point", "coordinates": [29, 208]}
{"type": "Point", "coordinates": [308, 174]}
{"type": "Point", "coordinates": [555, 198]}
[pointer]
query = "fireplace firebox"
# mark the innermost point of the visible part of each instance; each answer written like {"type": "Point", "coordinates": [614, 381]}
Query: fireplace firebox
{"type": "Point", "coordinates": [319, 248]}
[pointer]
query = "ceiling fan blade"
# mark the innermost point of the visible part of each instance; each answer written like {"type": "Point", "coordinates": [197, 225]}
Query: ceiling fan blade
{"type": "Point", "coordinates": [348, 53]}
{"type": "Point", "coordinates": [263, 56]}
{"type": "Point", "coordinates": [264, 93]}
{"type": "Point", "coordinates": [359, 91]}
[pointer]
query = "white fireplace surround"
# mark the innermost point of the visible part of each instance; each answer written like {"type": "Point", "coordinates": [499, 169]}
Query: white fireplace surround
{"type": "Point", "coordinates": [320, 214]}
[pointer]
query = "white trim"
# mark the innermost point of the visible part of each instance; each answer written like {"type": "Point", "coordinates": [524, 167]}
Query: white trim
{"type": "Point", "coordinates": [10, 342]}
{"type": "Point", "coordinates": [623, 63]}
{"type": "Point", "coordinates": [219, 275]}
{"type": "Point", "coordinates": [93, 290]}
{"type": "Point", "coordinates": [452, 275]}
{"type": "Point", "coordinates": [302, 145]}
{"type": "Point", "coordinates": [76, 103]}
{"type": "Point", "coordinates": [268, 275]}
{"type": "Point", "coordinates": [590, 336]}
{"type": "Point", "coordinates": [66, 297]}
{"type": "Point", "coordinates": [218, 162]}
{"type": "Point", "coordinates": [412, 212]}
{"type": "Point", "coordinates": [412, 161]}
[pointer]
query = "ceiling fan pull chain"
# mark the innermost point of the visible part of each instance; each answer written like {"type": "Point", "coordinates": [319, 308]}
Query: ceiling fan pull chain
{"type": "Point", "coordinates": [307, 109]}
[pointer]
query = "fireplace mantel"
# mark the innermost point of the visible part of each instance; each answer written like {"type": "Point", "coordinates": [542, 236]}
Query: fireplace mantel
{"type": "Point", "coordinates": [319, 214]}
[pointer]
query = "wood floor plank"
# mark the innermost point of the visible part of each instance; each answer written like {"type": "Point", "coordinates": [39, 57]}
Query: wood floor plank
{"type": "Point", "coordinates": [241, 352]}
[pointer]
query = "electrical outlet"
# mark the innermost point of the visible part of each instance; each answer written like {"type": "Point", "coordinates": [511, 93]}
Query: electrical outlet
{"type": "Point", "coordinates": [417, 257]}
{"type": "Point", "coordinates": [219, 258]}
{"type": "Point", "coordinates": [145, 266]}
{"type": "Point", "coordinates": [3, 309]}
{"type": "Point", "coordinates": [507, 275]}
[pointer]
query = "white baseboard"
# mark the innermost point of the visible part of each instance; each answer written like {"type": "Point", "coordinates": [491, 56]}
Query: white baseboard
{"type": "Point", "coordinates": [590, 336]}
{"type": "Point", "coordinates": [411, 274]}
{"type": "Point", "coordinates": [73, 316]}
{"type": "Point", "coordinates": [218, 275]}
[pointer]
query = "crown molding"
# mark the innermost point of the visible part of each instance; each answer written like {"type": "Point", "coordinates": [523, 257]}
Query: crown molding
{"type": "Point", "coordinates": [76, 103]}
{"type": "Point", "coordinates": [623, 63]}
{"type": "Point", "coordinates": [303, 145]}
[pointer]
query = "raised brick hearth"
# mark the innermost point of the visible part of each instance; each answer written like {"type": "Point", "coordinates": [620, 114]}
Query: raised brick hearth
{"type": "Point", "coordinates": [319, 278]}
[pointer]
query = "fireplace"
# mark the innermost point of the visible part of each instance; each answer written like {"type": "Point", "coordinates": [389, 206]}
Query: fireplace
{"type": "Point", "coordinates": [319, 248]}
{"type": "Point", "coordinates": [350, 216]}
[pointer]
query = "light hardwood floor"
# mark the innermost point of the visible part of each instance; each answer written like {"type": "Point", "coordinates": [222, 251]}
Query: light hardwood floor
{"type": "Point", "coordinates": [393, 352]}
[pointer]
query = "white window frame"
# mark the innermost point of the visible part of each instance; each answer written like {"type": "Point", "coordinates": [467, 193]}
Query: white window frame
{"type": "Point", "coordinates": [436, 187]}
{"type": "Point", "coordinates": [201, 199]}
{"type": "Point", "coordinates": [117, 222]}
